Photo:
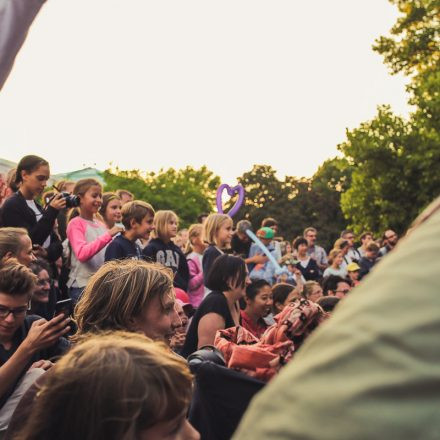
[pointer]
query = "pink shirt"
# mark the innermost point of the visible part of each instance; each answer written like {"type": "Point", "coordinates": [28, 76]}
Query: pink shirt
{"type": "Point", "coordinates": [88, 240]}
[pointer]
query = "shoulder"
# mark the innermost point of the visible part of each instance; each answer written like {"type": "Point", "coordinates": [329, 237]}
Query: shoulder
{"type": "Point", "coordinates": [14, 201]}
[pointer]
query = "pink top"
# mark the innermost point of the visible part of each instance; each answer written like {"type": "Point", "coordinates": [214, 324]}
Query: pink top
{"type": "Point", "coordinates": [196, 288]}
{"type": "Point", "coordinates": [87, 240]}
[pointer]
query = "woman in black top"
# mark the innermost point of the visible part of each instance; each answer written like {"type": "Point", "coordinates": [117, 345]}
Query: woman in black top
{"type": "Point", "coordinates": [21, 209]}
{"type": "Point", "coordinates": [227, 279]}
{"type": "Point", "coordinates": [307, 265]}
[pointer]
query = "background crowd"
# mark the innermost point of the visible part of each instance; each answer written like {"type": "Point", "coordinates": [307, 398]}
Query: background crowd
{"type": "Point", "coordinates": [77, 261]}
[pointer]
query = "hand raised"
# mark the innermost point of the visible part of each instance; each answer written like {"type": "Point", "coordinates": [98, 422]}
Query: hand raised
{"type": "Point", "coordinates": [43, 334]}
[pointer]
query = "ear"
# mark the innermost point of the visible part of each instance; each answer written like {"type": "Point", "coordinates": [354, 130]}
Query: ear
{"type": "Point", "coordinates": [133, 223]}
{"type": "Point", "coordinates": [7, 256]}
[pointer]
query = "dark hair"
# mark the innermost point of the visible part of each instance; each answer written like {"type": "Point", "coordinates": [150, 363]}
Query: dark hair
{"type": "Point", "coordinates": [37, 266]}
{"type": "Point", "coordinates": [29, 164]}
{"type": "Point", "coordinates": [225, 268]}
{"type": "Point", "coordinates": [364, 235]}
{"type": "Point", "coordinates": [328, 303]}
{"type": "Point", "coordinates": [269, 221]}
{"type": "Point", "coordinates": [298, 241]}
{"type": "Point", "coordinates": [200, 217]}
{"type": "Point", "coordinates": [331, 283]}
{"type": "Point", "coordinates": [254, 288]}
{"type": "Point", "coordinates": [281, 291]}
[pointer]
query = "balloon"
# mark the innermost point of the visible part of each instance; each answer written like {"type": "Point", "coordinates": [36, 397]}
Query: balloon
{"type": "Point", "coordinates": [278, 269]}
{"type": "Point", "coordinates": [231, 191]}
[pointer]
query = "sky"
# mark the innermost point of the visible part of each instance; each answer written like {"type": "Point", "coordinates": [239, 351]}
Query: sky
{"type": "Point", "coordinates": [145, 85]}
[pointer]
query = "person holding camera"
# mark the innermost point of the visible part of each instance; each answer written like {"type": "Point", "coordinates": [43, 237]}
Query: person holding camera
{"type": "Point", "coordinates": [22, 209]}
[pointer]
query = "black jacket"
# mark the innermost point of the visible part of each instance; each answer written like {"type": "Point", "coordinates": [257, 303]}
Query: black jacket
{"type": "Point", "coordinates": [170, 256]}
{"type": "Point", "coordinates": [16, 213]}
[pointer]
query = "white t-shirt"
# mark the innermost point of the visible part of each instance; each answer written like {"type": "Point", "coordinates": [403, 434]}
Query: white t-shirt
{"type": "Point", "coordinates": [38, 215]}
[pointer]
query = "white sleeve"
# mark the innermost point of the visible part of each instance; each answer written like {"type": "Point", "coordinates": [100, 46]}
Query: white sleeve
{"type": "Point", "coordinates": [16, 16]}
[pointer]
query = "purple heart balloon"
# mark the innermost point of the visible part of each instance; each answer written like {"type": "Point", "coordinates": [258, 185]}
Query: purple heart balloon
{"type": "Point", "coordinates": [231, 191]}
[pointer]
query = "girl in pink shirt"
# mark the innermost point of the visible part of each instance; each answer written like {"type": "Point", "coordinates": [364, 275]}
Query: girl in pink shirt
{"type": "Point", "coordinates": [87, 236]}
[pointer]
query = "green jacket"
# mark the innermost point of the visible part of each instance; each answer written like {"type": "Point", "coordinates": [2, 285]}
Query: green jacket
{"type": "Point", "coordinates": [372, 371]}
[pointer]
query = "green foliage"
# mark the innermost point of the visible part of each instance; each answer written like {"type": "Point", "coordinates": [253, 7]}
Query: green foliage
{"type": "Point", "coordinates": [414, 45]}
{"type": "Point", "coordinates": [188, 191]}
{"type": "Point", "coordinates": [297, 203]}
{"type": "Point", "coordinates": [396, 161]}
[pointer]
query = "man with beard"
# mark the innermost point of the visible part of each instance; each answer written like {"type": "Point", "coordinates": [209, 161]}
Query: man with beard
{"type": "Point", "coordinates": [389, 240]}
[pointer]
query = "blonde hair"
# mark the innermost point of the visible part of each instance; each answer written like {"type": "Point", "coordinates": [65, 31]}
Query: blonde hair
{"type": "Point", "coordinates": [161, 220]}
{"type": "Point", "coordinates": [118, 292]}
{"type": "Point", "coordinates": [16, 279]}
{"type": "Point", "coordinates": [107, 197]}
{"type": "Point", "coordinates": [10, 241]}
{"type": "Point", "coordinates": [308, 288]}
{"type": "Point", "coordinates": [110, 386]}
{"type": "Point", "coordinates": [194, 231]}
{"type": "Point", "coordinates": [137, 210]}
{"type": "Point", "coordinates": [211, 226]}
{"type": "Point", "coordinates": [333, 254]}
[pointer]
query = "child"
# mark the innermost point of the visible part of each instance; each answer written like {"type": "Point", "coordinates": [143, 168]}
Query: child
{"type": "Point", "coordinates": [132, 387]}
{"type": "Point", "coordinates": [336, 260]}
{"type": "Point", "coordinates": [217, 234]}
{"type": "Point", "coordinates": [110, 209]}
{"type": "Point", "coordinates": [353, 270]}
{"type": "Point", "coordinates": [137, 218]}
{"type": "Point", "coordinates": [87, 237]}
{"type": "Point", "coordinates": [366, 263]}
{"type": "Point", "coordinates": [164, 251]}
{"type": "Point", "coordinates": [264, 271]}
{"type": "Point", "coordinates": [194, 256]}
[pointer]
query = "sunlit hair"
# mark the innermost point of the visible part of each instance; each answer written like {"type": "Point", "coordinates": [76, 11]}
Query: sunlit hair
{"type": "Point", "coordinates": [80, 188]}
{"type": "Point", "coordinates": [309, 287]}
{"type": "Point", "coordinates": [123, 192]}
{"type": "Point", "coordinates": [341, 243]}
{"type": "Point", "coordinates": [333, 254]}
{"type": "Point", "coordinates": [110, 386]}
{"type": "Point", "coordinates": [135, 210]}
{"type": "Point", "coordinates": [11, 241]}
{"type": "Point", "coordinates": [107, 197]}
{"type": "Point", "coordinates": [118, 292]}
{"type": "Point", "coordinates": [161, 220]}
{"type": "Point", "coordinates": [16, 279]}
{"type": "Point", "coordinates": [211, 227]}
{"type": "Point", "coordinates": [194, 231]}
{"type": "Point", "coordinates": [63, 184]}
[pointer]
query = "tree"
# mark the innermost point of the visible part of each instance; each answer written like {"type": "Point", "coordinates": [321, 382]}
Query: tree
{"type": "Point", "coordinates": [297, 203]}
{"type": "Point", "coordinates": [396, 161]}
{"type": "Point", "coordinates": [188, 191]}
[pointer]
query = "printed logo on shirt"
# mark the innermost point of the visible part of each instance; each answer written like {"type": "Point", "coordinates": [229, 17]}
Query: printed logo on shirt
{"type": "Point", "coordinates": [168, 258]}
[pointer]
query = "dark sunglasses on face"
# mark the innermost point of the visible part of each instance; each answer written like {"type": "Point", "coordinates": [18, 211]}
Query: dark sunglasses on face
{"type": "Point", "coordinates": [18, 312]}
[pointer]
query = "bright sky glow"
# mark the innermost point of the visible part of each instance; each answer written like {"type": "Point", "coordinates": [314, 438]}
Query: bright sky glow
{"type": "Point", "coordinates": [150, 84]}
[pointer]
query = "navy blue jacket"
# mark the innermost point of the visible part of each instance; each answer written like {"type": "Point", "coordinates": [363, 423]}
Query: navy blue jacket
{"type": "Point", "coordinates": [170, 256]}
{"type": "Point", "coordinates": [121, 248]}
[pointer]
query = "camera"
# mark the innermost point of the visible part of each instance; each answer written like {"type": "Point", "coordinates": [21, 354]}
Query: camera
{"type": "Point", "coordinates": [72, 201]}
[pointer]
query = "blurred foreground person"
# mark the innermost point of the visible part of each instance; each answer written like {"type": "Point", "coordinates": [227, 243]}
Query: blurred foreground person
{"type": "Point", "coordinates": [119, 386]}
{"type": "Point", "coordinates": [376, 360]}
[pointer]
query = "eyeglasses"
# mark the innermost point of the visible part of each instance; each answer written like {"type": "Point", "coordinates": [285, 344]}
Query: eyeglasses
{"type": "Point", "coordinates": [391, 236]}
{"type": "Point", "coordinates": [18, 312]}
{"type": "Point", "coordinates": [344, 291]}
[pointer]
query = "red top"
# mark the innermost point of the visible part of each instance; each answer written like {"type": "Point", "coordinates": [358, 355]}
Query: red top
{"type": "Point", "coordinates": [256, 329]}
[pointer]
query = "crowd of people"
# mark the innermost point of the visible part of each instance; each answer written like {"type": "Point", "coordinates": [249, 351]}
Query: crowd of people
{"type": "Point", "coordinates": [102, 299]}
